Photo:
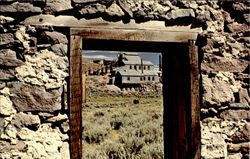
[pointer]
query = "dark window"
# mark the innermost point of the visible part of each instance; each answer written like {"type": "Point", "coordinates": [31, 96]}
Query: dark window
{"type": "Point", "coordinates": [141, 79]}
{"type": "Point", "coordinates": [139, 67]}
{"type": "Point", "coordinates": [149, 78]}
{"type": "Point", "coordinates": [144, 78]}
{"type": "Point", "coordinates": [144, 67]}
{"type": "Point", "coordinates": [153, 78]}
{"type": "Point", "coordinates": [130, 67]}
{"type": "Point", "coordinates": [148, 67]}
{"type": "Point", "coordinates": [128, 78]}
{"type": "Point", "coordinates": [135, 67]}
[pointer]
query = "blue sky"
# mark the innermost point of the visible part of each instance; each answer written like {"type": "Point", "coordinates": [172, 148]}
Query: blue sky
{"type": "Point", "coordinates": [99, 55]}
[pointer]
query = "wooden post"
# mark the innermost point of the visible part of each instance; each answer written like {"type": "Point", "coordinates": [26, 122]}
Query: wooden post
{"type": "Point", "coordinates": [181, 102]}
{"type": "Point", "coordinates": [194, 101]}
{"type": "Point", "coordinates": [75, 97]}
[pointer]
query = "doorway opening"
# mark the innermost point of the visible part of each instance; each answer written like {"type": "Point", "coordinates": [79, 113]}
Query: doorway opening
{"type": "Point", "coordinates": [180, 80]}
{"type": "Point", "coordinates": [123, 113]}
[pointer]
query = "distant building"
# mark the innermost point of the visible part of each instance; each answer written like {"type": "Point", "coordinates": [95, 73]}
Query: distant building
{"type": "Point", "coordinates": [132, 70]}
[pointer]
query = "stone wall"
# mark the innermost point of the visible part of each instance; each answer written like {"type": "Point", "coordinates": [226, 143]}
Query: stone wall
{"type": "Point", "coordinates": [34, 66]}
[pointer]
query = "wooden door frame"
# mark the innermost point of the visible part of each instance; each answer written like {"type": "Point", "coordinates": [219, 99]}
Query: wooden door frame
{"type": "Point", "coordinates": [183, 137]}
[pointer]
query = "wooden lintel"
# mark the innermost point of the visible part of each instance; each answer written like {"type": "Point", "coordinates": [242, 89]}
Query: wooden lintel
{"type": "Point", "coordinates": [135, 35]}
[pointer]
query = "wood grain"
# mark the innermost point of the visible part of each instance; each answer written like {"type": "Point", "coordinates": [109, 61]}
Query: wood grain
{"type": "Point", "coordinates": [75, 97]}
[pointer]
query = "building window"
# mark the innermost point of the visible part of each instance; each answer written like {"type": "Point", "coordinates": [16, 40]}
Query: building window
{"type": "Point", "coordinates": [135, 67]}
{"type": "Point", "coordinates": [153, 78]}
{"type": "Point", "coordinates": [139, 67]}
{"type": "Point", "coordinates": [130, 67]}
{"type": "Point", "coordinates": [144, 68]}
{"type": "Point", "coordinates": [148, 78]}
{"type": "Point", "coordinates": [144, 78]}
{"type": "Point", "coordinates": [148, 67]}
{"type": "Point", "coordinates": [128, 78]}
{"type": "Point", "coordinates": [141, 78]}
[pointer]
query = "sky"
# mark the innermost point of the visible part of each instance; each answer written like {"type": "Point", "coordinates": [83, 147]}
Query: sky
{"type": "Point", "coordinates": [109, 55]}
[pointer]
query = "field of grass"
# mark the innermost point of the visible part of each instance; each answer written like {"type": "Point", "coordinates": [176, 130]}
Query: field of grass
{"type": "Point", "coordinates": [116, 128]}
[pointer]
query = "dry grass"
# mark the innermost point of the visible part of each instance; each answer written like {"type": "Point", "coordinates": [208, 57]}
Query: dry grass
{"type": "Point", "coordinates": [125, 131]}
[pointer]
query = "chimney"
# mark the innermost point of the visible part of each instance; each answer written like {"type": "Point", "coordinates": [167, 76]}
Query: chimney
{"type": "Point", "coordinates": [160, 65]}
{"type": "Point", "coordinates": [141, 66]}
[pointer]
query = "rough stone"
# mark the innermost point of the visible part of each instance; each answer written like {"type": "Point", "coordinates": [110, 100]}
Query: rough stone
{"type": "Point", "coordinates": [247, 18]}
{"type": "Point", "coordinates": [242, 134]}
{"type": "Point", "coordinates": [2, 124]}
{"type": "Point", "coordinates": [235, 156]}
{"type": "Point", "coordinates": [19, 7]}
{"type": "Point", "coordinates": [6, 106]}
{"type": "Point", "coordinates": [244, 96]}
{"type": "Point", "coordinates": [203, 17]}
{"type": "Point", "coordinates": [65, 150]}
{"type": "Point", "coordinates": [7, 74]}
{"type": "Point", "coordinates": [54, 37]}
{"type": "Point", "coordinates": [235, 115]}
{"type": "Point", "coordinates": [65, 127]}
{"type": "Point", "coordinates": [237, 28]}
{"type": "Point", "coordinates": [59, 49]}
{"type": "Point", "coordinates": [8, 58]}
{"type": "Point", "coordinates": [26, 120]}
{"type": "Point", "coordinates": [44, 115]}
{"type": "Point", "coordinates": [43, 68]}
{"type": "Point", "coordinates": [212, 62]}
{"type": "Point", "coordinates": [58, 118]}
{"type": "Point", "coordinates": [244, 147]}
{"type": "Point", "coordinates": [33, 98]}
{"type": "Point", "coordinates": [180, 13]}
{"type": "Point", "coordinates": [82, 2]}
{"type": "Point", "coordinates": [239, 105]}
{"type": "Point", "coordinates": [219, 90]}
{"type": "Point", "coordinates": [125, 7]}
{"type": "Point", "coordinates": [57, 6]}
{"type": "Point", "coordinates": [6, 20]}
{"type": "Point", "coordinates": [93, 10]}
{"type": "Point", "coordinates": [6, 38]}
{"type": "Point", "coordinates": [114, 11]}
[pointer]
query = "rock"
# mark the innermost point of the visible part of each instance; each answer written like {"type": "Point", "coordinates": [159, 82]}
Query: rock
{"type": "Point", "coordinates": [26, 120]}
{"type": "Point", "coordinates": [8, 58]}
{"type": "Point", "coordinates": [2, 124]}
{"type": "Point", "coordinates": [82, 2]}
{"type": "Point", "coordinates": [65, 127]}
{"type": "Point", "coordinates": [244, 147]}
{"type": "Point", "coordinates": [6, 38]}
{"type": "Point", "coordinates": [92, 10]}
{"type": "Point", "coordinates": [114, 11]}
{"type": "Point", "coordinates": [125, 7]}
{"type": "Point", "coordinates": [33, 98]}
{"type": "Point", "coordinates": [65, 151]}
{"type": "Point", "coordinates": [4, 146]}
{"type": "Point", "coordinates": [6, 106]}
{"type": "Point", "coordinates": [2, 85]}
{"type": "Point", "coordinates": [19, 7]}
{"type": "Point", "coordinates": [247, 18]}
{"type": "Point", "coordinates": [57, 6]}
{"type": "Point", "coordinates": [244, 96]}
{"type": "Point", "coordinates": [6, 20]}
{"type": "Point", "coordinates": [58, 118]}
{"type": "Point", "coordinates": [239, 105]}
{"type": "Point", "coordinates": [239, 7]}
{"type": "Point", "coordinates": [237, 28]}
{"type": "Point", "coordinates": [180, 13]}
{"type": "Point", "coordinates": [242, 135]}
{"type": "Point", "coordinates": [219, 90]}
{"type": "Point", "coordinates": [54, 37]}
{"type": "Point", "coordinates": [44, 115]}
{"type": "Point", "coordinates": [203, 17]}
{"type": "Point", "coordinates": [235, 115]}
{"type": "Point", "coordinates": [7, 74]}
{"type": "Point", "coordinates": [215, 63]}
{"type": "Point", "coordinates": [244, 39]}
{"type": "Point", "coordinates": [235, 156]}
{"type": "Point", "coordinates": [59, 49]}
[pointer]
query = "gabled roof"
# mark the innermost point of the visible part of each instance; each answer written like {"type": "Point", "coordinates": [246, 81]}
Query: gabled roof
{"type": "Point", "coordinates": [133, 59]}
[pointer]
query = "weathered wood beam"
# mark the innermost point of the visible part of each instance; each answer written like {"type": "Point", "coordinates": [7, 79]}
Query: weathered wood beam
{"type": "Point", "coordinates": [195, 149]}
{"type": "Point", "coordinates": [75, 97]}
